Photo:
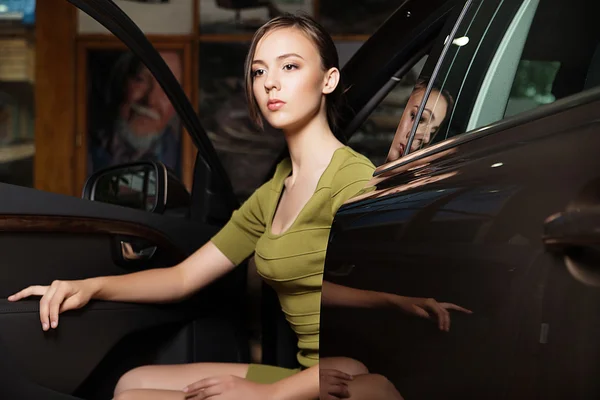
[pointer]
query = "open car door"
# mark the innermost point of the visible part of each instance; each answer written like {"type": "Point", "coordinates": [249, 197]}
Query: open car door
{"type": "Point", "coordinates": [45, 236]}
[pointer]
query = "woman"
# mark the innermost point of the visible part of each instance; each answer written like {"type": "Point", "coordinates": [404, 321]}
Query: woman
{"type": "Point", "coordinates": [439, 104]}
{"type": "Point", "coordinates": [292, 81]}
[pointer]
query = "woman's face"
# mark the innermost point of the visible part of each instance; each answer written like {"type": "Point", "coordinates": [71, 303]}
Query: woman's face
{"type": "Point", "coordinates": [431, 119]}
{"type": "Point", "coordinates": [289, 82]}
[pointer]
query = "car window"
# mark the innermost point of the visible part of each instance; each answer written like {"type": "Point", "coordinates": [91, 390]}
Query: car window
{"type": "Point", "coordinates": [374, 136]}
{"type": "Point", "coordinates": [531, 54]}
{"type": "Point", "coordinates": [248, 153]}
{"type": "Point", "coordinates": [408, 126]}
{"type": "Point", "coordinates": [129, 116]}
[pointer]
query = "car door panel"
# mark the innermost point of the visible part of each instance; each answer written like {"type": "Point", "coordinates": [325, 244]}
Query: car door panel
{"type": "Point", "coordinates": [479, 245]}
{"type": "Point", "coordinates": [46, 236]}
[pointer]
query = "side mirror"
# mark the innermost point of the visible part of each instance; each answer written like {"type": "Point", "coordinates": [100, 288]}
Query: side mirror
{"type": "Point", "coordinates": [146, 185]}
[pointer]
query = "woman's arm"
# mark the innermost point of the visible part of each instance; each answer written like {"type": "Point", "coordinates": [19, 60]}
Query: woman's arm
{"type": "Point", "coordinates": [160, 285]}
{"type": "Point", "coordinates": [343, 296]}
{"type": "Point", "coordinates": [165, 285]}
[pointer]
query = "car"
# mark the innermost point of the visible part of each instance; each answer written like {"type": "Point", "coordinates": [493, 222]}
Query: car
{"type": "Point", "coordinates": [498, 213]}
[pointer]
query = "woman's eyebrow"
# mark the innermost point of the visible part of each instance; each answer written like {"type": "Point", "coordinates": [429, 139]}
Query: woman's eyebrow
{"type": "Point", "coordinates": [281, 57]}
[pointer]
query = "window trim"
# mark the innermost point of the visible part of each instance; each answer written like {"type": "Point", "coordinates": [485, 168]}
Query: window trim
{"type": "Point", "coordinates": [436, 70]}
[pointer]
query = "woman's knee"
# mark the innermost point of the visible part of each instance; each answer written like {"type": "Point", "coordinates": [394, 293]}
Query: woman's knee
{"type": "Point", "coordinates": [382, 387]}
{"type": "Point", "coordinates": [136, 378]}
{"type": "Point", "coordinates": [345, 364]}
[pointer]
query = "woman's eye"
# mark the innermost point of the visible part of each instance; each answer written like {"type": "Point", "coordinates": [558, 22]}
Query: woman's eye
{"type": "Point", "coordinates": [289, 67]}
{"type": "Point", "coordinates": [258, 72]}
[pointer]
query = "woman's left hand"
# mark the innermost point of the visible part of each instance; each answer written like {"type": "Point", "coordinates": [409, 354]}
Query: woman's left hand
{"type": "Point", "coordinates": [227, 388]}
{"type": "Point", "coordinates": [424, 307]}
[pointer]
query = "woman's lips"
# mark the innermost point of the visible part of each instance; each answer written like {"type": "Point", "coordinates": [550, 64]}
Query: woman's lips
{"type": "Point", "coordinates": [275, 105]}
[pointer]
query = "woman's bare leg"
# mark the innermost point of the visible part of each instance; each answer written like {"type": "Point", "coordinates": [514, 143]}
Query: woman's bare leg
{"type": "Point", "coordinates": [347, 365]}
{"type": "Point", "coordinates": [372, 387]}
{"type": "Point", "coordinates": [364, 386]}
{"type": "Point", "coordinates": [150, 394]}
{"type": "Point", "coordinates": [174, 377]}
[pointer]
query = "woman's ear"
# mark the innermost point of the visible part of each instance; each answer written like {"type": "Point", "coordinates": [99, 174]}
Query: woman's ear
{"type": "Point", "coordinates": [332, 78]}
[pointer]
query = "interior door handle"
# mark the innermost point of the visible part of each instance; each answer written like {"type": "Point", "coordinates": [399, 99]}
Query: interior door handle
{"type": "Point", "coordinates": [577, 228]}
{"type": "Point", "coordinates": [130, 254]}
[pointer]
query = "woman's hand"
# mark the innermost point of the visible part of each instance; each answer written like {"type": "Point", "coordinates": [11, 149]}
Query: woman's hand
{"type": "Point", "coordinates": [228, 387]}
{"type": "Point", "coordinates": [333, 384]}
{"type": "Point", "coordinates": [424, 307]}
{"type": "Point", "coordinates": [57, 298]}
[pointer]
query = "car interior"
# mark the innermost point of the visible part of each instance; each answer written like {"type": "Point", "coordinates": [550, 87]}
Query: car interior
{"type": "Point", "coordinates": [74, 238]}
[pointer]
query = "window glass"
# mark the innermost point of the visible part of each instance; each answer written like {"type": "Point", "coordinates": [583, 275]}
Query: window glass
{"type": "Point", "coordinates": [534, 55]}
{"type": "Point", "coordinates": [247, 153]}
{"type": "Point", "coordinates": [17, 94]}
{"type": "Point", "coordinates": [374, 136]}
{"type": "Point", "coordinates": [130, 118]}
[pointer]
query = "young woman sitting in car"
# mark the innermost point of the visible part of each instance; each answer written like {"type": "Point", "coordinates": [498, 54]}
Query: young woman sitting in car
{"type": "Point", "coordinates": [292, 81]}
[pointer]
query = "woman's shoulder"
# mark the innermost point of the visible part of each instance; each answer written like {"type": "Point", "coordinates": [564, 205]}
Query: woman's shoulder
{"type": "Point", "coordinates": [348, 168]}
{"type": "Point", "coordinates": [353, 163]}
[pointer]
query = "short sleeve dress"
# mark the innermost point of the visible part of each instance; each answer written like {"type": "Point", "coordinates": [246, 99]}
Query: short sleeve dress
{"type": "Point", "coordinates": [292, 262]}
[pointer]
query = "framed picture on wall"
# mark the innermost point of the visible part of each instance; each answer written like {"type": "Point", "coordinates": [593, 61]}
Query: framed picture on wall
{"type": "Point", "coordinates": [173, 17]}
{"type": "Point", "coordinates": [124, 115]}
{"type": "Point", "coordinates": [245, 16]}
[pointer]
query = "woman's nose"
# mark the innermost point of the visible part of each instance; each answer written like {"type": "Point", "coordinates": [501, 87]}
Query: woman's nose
{"type": "Point", "coordinates": [272, 82]}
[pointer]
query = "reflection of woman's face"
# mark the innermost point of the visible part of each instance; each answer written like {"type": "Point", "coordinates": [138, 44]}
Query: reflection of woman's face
{"type": "Point", "coordinates": [146, 108]}
{"type": "Point", "coordinates": [431, 119]}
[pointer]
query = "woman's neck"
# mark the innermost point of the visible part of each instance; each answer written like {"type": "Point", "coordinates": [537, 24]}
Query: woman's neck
{"type": "Point", "coordinates": [312, 145]}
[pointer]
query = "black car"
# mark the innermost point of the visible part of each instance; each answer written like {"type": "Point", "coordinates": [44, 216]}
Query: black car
{"type": "Point", "coordinates": [495, 212]}
{"type": "Point", "coordinates": [498, 213]}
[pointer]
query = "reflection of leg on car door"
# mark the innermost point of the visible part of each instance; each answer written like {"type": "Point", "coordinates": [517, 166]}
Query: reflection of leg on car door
{"type": "Point", "coordinates": [373, 387]}
{"type": "Point", "coordinates": [170, 378]}
{"type": "Point", "coordinates": [364, 385]}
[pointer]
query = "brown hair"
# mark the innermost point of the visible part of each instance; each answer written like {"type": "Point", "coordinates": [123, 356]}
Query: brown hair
{"type": "Point", "coordinates": [327, 50]}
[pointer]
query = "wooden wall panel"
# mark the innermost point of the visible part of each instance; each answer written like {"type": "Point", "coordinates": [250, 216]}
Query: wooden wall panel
{"type": "Point", "coordinates": [55, 96]}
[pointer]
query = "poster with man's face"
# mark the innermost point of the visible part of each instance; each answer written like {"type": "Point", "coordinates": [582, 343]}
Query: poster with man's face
{"type": "Point", "coordinates": [130, 117]}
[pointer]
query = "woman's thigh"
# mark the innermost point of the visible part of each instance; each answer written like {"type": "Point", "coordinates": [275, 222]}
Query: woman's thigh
{"type": "Point", "coordinates": [372, 387]}
{"type": "Point", "coordinates": [348, 365]}
{"type": "Point", "coordinates": [149, 394]}
{"type": "Point", "coordinates": [175, 377]}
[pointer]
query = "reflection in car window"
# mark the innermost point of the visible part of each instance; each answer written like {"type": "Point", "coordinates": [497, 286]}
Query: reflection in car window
{"type": "Point", "coordinates": [374, 136]}
{"type": "Point", "coordinates": [130, 116]}
{"type": "Point", "coordinates": [543, 52]}
{"type": "Point", "coordinates": [247, 153]}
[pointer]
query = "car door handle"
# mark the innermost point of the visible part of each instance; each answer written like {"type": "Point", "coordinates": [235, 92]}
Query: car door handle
{"type": "Point", "coordinates": [130, 254]}
{"type": "Point", "coordinates": [576, 228]}
{"type": "Point", "coordinates": [575, 236]}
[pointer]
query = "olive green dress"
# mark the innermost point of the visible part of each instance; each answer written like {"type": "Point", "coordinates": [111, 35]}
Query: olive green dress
{"type": "Point", "coordinates": [292, 262]}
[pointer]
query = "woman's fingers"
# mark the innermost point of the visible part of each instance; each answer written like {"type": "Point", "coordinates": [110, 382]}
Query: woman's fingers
{"type": "Point", "coordinates": [340, 390]}
{"type": "Point", "coordinates": [337, 374]}
{"type": "Point", "coordinates": [45, 307]}
{"type": "Point", "coordinates": [450, 306]}
{"type": "Point", "coordinates": [201, 384]}
{"type": "Point", "coordinates": [55, 304]}
{"type": "Point", "coordinates": [29, 291]}
{"type": "Point", "coordinates": [207, 393]}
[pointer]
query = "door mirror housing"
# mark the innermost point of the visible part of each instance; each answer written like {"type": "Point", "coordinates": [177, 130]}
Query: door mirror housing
{"type": "Point", "coordinates": [146, 185]}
